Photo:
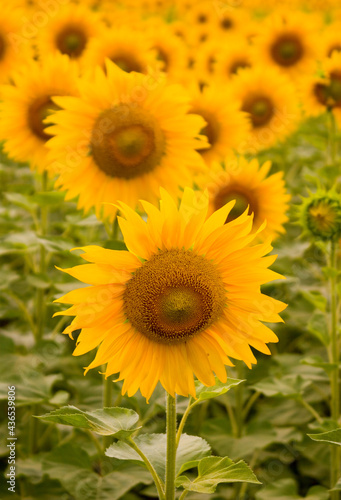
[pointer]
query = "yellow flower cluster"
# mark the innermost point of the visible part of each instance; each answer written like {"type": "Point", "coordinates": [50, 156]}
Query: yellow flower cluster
{"type": "Point", "coordinates": [116, 100]}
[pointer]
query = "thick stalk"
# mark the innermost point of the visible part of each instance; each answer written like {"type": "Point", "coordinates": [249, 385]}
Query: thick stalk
{"type": "Point", "coordinates": [107, 398]}
{"type": "Point", "coordinates": [334, 377]}
{"type": "Point", "coordinates": [332, 138]}
{"type": "Point", "coordinates": [43, 227]}
{"type": "Point", "coordinates": [171, 447]}
{"type": "Point", "coordinates": [151, 469]}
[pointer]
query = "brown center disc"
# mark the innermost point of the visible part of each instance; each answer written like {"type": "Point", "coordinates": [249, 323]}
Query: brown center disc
{"type": "Point", "coordinates": [40, 109]}
{"type": "Point", "coordinates": [71, 41]}
{"type": "Point", "coordinates": [287, 50]}
{"type": "Point", "coordinates": [174, 296]}
{"type": "Point", "coordinates": [260, 109]}
{"type": "Point", "coordinates": [243, 198]}
{"type": "Point", "coordinates": [127, 142]}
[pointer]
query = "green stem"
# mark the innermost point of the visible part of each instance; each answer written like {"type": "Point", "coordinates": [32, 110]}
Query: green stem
{"type": "Point", "coordinates": [250, 404]}
{"type": "Point", "coordinates": [334, 377]}
{"type": "Point", "coordinates": [41, 307]}
{"type": "Point", "coordinates": [231, 415]}
{"type": "Point", "coordinates": [239, 400]}
{"type": "Point", "coordinates": [312, 411]}
{"type": "Point", "coordinates": [184, 419]}
{"type": "Point", "coordinates": [332, 138]}
{"type": "Point", "coordinates": [33, 429]}
{"type": "Point", "coordinates": [157, 480]}
{"type": "Point", "coordinates": [183, 495]}
{"type": "Point", "coordinates": [107, 403]}
{"type": "Point", "coordinates": [171, 447]}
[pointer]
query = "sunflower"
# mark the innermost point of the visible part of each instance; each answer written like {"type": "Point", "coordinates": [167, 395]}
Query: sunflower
{"type": "Point", "coordinates": [184, 298]}
{"type": "Point", "coordinates": [125, 136]}
{"type": "Point", "coordinates": [331, 40]}
{"type": "Point", "coordinates": [69, 31]}
{"type": "Point", "coordinates": [170, 49]}
{"type": "Point", "coordinates": [271, 101]}
{"type": "Point", "coordinates": [28, 102]}
{"type": "Point", "coordinates": [235, 56]}
{"type": "Point", "coordinates": [128, 49]}
{"type": "Point", "coordinates": [15, 49]}
{"type": "Point", "coordinates": [288, 41]}
{"type": "Point", "coordinates": [205, 60]}
{"type": "Point", "coordinates": [249, 184]}
{"type": "Point", "coordinates": [226, 126]}
{"type": "Point", "coordinates": [323, 93]}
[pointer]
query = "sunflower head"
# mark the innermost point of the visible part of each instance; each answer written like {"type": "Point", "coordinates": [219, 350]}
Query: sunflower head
{"type": "Point", "coordinates": [320, 215]}
{"type": "Point", "coordinates": [182, 299]}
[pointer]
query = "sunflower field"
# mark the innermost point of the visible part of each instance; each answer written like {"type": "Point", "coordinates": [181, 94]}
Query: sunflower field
{"type": "Point", "coordinates": [170, 276]}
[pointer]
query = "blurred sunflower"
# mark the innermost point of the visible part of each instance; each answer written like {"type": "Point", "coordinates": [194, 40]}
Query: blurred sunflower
{"type": "Point", "coordinates": [252, 188]}
{"type": "Point", "coordinates": [323, 93]}
{"type": "Point", "coordinates": [234, 56]}
{"type": "Point", "coordinates": [15, 49]}
{"type": "Point", "coordinates": [226, 126]}
{"type": "Point", "coordinates": [288, 41]}
{"type": "Point", "coordinates": [130, 135]}
{"type": "Point", "coordinates": [271, 101]}
{"type": "Point", "coordinates": [128, 49]}
{"type": "Point", "coordinates": [171, 51]}
{"type": "Point", "coordinates": [182, 299]}
{"type": "Point", "coordinates": [331, 39]}
{"type": "Point", "coordinates": [28, 102]}
{"type": "Point", "coordinates": [69, 31]}
{"type": "Point", "coordinates": [205, 60]}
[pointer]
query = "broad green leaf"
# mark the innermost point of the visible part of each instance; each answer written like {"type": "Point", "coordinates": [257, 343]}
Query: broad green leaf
{"type": "Point", "coordinates": [50, 198]}
{"type": "Point", "coordinates": [73, 467]}
{"type": "Point", "coordinates": [215, 470]}
{"type": "Point", "coordinates": [320, 363]}
{"type": "Point", "coordinates": [220, 388]}
{"type": "Point", "coordinates": [191, 448]}
{"type": "Point", "coordinates": [288, 386]}
{"type": "Point", "coordinates": [316, 298]}
{"type": "Point", "coordinates": [21, 201]}
{"type": "Point", "coordinates": [286, 489]}
{"type": "Point", "coordinates": [117, 422]}
{"type": "Point", "coordinates": [333, 437]}
{"type": "Point", "coordinates": [31, 386]}
{"type": "Point", "coordinates": [318, 327]}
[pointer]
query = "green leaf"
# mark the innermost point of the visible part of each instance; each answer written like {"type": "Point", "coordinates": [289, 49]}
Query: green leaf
{"type": "Point", "coordinates": [220, 388]}
{"type": "Point", "coordinates": [117, 422]}
{"type": "Point", "coordinates": [316, 299]}
{"type": "Point", "coordinates": [46, 199]}
{"type": "Point", "coordinates": [333, 437]}
{"type": "Point", "coordinates": [21, 201]}
{"type": "Point", "coordinates": [215, 470]}
{"type": "Point", "coordinates": [191, 448]}
{"type": "Point", "coordinates": [319, 328]}
{"type": "Point", "coordinates": [286, 489]}
{"type": "Point", "coordinates": [319, 363]}
{"type": "Point", "coordinates": [72, 466]}
{"type": "Point", "coordinates": [288, 386]}
{"type": "Point", "coordinates": [31, 386]}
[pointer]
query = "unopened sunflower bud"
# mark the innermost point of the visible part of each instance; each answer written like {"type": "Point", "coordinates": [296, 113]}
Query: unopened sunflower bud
{"type": "Point", "coordinates": [321, 215]}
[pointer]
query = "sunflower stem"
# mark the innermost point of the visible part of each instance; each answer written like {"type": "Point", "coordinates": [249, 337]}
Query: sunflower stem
{"type": "Point", "coordinates": [107, 403]}
{"type": "Point", "coordinates": [184, 419]}
{"type": "Point", "coordinates": [157, 480]}
{"type": "Point", "coordinates": [332, 138]}
{"type": "Point", "coordinates": [334, 377]}
{"type": "Point", "coordinates": [171, 447]}
{"type": "Point", "coordinates": [43, 225]}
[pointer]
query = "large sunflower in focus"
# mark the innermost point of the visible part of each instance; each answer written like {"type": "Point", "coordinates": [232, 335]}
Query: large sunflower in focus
{"type": "Point", "coordinates": [270, 100]}
{"type": "Point", "coordinates": [15, 49]}
{"type": "Point", "coordinates": [226, 126]}
{"type": "Point", "coordinates": [28, 102]}
{"type": "Point", "coordinates": [289, 42]}
{"type": "Point", "coordinates": [125, 136]}
{"type": "Point", "coordinates": [69, 32]}
{"type": "Point", "coordinates": [252, 188]}
{"type": "Point", "coordinates": [128, 49]}
{"type": "Point", "coordinates": [184, 298]}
